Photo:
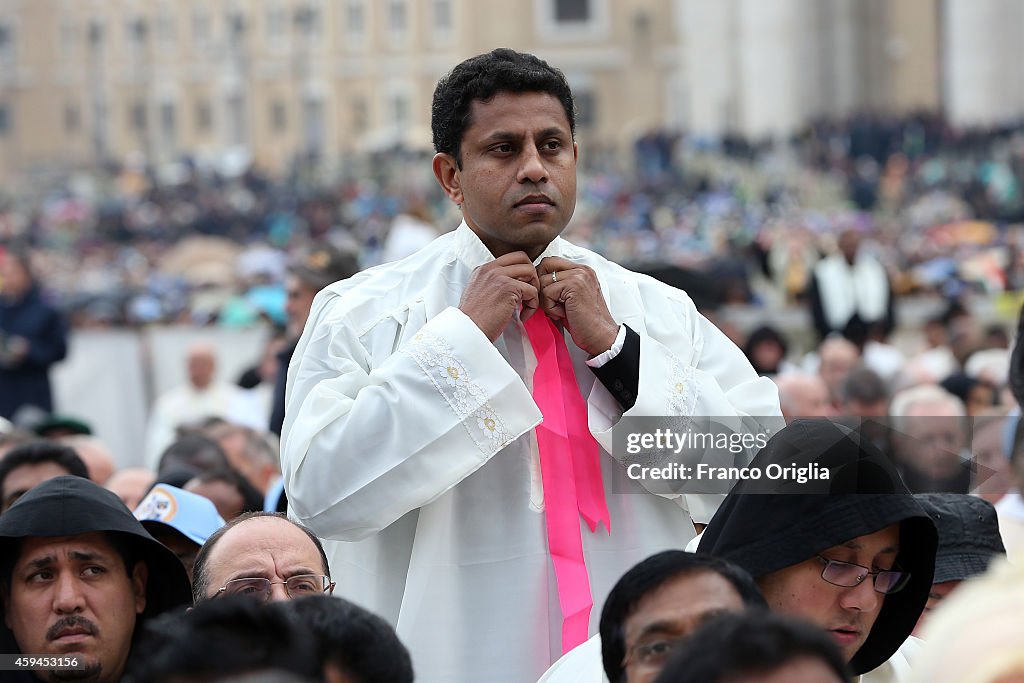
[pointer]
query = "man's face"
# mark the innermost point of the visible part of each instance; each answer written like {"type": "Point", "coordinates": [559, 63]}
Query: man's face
{"type": "Point", "coordinates": [846, 613]}
{"type": "Point", "coordinates": [201, 366]}
{"type": "Point", "coordinates": [70, 595]}
{"type": "Point", "coordinates": [933, 436]}
{"type": "Point", "coordinates": [264, 547]}
{"type": "Point", "coordinates": [297, 305]}
{"type": "Point", "coordinates": [938, 593]}
{"type": "Point", "coordinates": [19, 480]}
{"type": "Point", "coordinates": [672, 612]}
{"type": "Point", "coordinates": [993, 476]}
{"type": "Point", "coordinates": [225, 496]}
{"type": "Point", "coordinates": [836, 362]}
{"type": "Point", "coordinates": [517, 181]}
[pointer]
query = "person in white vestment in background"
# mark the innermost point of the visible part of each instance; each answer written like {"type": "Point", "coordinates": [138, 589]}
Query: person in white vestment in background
{"type": "Point", "coordinates": [408, 442]}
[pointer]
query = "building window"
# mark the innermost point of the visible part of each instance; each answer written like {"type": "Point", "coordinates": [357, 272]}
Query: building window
{"type": "Point", "coordinates": [586, 108]}
{"type": "Point", "coordinates": [572, 11]}
{"type": "Point", "coordinates": [165, 29]}
{"type": "Point", "coordinates": [572, 20]}
{"type": "Point", "coordinates": [6, 43]}
{"type": "Point", "coordinates": [360, 115]}
{"type": "Point", "coordinates": [137, 116]}
{"type": "Point", "coordinates": [397, 16]}
{"type": "Point", "coordinates": [278, 116]}
{"type": "Point", "coordinates": [307, 22]}
{"type": "Point", "coordinates": [68, 35]}
{"type": "Point", "coordinates": [400, 110]}
{"type": "Point", "coordinates": [355, 18]}
{"type": "Point", "coordinates": [168, 123]}
{"type": "Point", "coordinates": [72, 119]}
{"type": "Point", "coordinates": [200, 27]}
{"type": "Point", "coordinates": [95, 34]}
{"type": "Point", "coordinates": [443, 15]}
{"type": "Point", "coordinates": [277, 22]}
{"type": "Point", "coordinates": [5, 120]}
{"type": "Point", "coordinates": [204, 117]}
{"type": "Point", "coordinates": [136, 31]}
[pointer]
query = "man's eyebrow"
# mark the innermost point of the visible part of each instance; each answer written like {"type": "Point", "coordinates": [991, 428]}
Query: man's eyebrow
{"type": "Point", "coordinates": [40, 562]}
{"type": "Point", "coordinates": [663, 626]}
{"type": "Point", "coordinates": [300, 571]}
{"type": "Point", "coordinates": [854, 545]}
{"type": "Point", "coordinates": [86, 556]}
{"type": "Point", "coordinates": [247, 574]}
{"type": "Point", "coordinates": [501, 136]}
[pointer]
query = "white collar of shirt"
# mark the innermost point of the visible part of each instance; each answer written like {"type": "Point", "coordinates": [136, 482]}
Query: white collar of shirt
{"type": "Point", "coordinates": [472, 252]}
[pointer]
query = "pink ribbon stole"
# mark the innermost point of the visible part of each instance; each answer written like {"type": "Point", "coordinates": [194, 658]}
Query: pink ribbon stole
{"type": "Point", "coordinates": [570, 465]}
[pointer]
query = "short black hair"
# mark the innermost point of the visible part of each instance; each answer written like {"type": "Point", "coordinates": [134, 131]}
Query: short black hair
{"type": "Point", "coordinates": [361, 644]}
{"type": "Point", "coordinates": [41, 451]}
{"type": "Point", "coordinates": [865, 385]}
{"type": "Point", "coordinates": [481, 78]}
{"type": "Point", "coordinates": [252, 499]}
{"type": "Point", "coordinates": [220, 638]}
{"type": "Point", "coordinates": [200, 571]}
{"type": "Point", "coordinates": [646, 577]}
{"type": "Point", "coordinates": [193, 452]}
{"type": "Point", "coordinates": [753, 642]}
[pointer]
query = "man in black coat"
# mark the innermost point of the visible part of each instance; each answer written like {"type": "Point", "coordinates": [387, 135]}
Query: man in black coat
{"type": "Point", "coordinates": [33, 336]}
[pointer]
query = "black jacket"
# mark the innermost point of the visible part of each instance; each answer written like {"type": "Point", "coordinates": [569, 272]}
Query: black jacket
{"type": "Point", "coordinates": [27, 381]}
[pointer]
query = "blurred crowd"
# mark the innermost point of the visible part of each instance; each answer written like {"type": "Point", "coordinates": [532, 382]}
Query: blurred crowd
{"type": "Point", "coordinates": [125, 245]}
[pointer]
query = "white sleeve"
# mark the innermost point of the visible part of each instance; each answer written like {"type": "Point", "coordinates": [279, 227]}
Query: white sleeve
{"type": "Point", "coordinates": [703, 373]}
{"type": "Point", "coordinates": [363, 445]}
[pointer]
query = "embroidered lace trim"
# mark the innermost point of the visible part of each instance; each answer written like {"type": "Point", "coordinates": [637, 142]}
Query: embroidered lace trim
{"type": "Point", "coordinates": [466, 399]}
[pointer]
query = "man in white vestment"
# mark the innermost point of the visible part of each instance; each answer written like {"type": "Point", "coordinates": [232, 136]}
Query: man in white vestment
{"type": "Point", "coordinates": [849, 292]}
{"type": "Point", "coordinates": [409, 443]}
{"type": "Point", "coordinates": [202, 396]}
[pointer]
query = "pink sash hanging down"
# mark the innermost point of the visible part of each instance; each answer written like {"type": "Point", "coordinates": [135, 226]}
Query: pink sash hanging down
{"type": "Point", "coordinates": [570, 465]}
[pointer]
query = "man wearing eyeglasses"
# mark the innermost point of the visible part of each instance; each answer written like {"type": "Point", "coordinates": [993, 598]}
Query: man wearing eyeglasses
{"type": "Point", "coordinates": [264, 555]}
{"type": "Point", "coordinates": [856, 558]}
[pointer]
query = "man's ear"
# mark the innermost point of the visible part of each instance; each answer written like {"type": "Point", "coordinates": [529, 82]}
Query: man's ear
{"type": "Point", "coordinates": [140, 575]}
{"type": "Point", "coordinates": [447, 172]}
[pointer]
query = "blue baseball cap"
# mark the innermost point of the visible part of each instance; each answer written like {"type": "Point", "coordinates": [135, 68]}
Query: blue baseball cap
{"type": "Point", "coordinates": [190, 514]}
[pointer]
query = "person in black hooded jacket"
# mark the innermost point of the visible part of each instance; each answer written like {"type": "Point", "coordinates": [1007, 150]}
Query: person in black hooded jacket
{"type": "Point", "coordinates": [803, 542]}
{"type": "Point", "coordinates": [78, 575]}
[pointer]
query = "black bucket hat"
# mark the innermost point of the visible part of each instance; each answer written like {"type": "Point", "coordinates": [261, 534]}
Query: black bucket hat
{"type": "Point", "coordinates": [765, 526]}
{"type": "Point", "coordinates": [68, 506]}
{"type": "Point", "coordinates": [968, 534]}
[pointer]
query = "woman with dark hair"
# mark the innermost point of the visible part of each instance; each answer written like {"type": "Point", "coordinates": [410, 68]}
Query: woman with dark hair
{"type": "Point", "coordinates": [33, 336]}
{"type": "Point", "coordinates": [766, 350]}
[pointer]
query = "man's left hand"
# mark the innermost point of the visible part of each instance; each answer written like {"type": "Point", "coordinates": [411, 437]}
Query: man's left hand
{"type": "Point", "coordinates": [571, 292]}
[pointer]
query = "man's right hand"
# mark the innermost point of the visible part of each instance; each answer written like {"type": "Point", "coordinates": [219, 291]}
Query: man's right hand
{"type": "Point", "coordinates": [497, 289]}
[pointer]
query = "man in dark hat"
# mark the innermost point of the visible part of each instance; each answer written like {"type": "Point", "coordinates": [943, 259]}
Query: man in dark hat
{"type": "Point", "coordinates": [78, 574]}
{"type": "Point", "coordinates": [853, 553]}
{"type": "Point", "coordinates": [968, 540]}
{"type": "Point", "coordinates": [307, 275]}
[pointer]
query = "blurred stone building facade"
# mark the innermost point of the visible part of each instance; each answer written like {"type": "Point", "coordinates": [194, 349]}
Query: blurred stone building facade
{"type": "Point", "coordinates": [152, 80]}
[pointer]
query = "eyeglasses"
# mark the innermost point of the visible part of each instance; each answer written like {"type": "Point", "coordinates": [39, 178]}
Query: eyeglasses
{"type": "Point", "coordinates": [296, 586]}
{"type": "Point", "coordinates": [653, 654]}
{"type": "Point", "coordinates": [848, 575]}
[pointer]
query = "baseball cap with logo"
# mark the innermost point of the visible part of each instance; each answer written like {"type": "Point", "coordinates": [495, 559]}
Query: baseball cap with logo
{"type": "Point", "coordinates": [191, 515]}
